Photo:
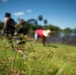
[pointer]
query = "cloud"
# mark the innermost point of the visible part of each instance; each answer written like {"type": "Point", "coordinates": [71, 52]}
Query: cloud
{"type": "Point", "coordinates": [4, 1]}
{"type": "Point", "coordinates": [29, 10]}
{"type": "Point", "coordinates": [19, 13]}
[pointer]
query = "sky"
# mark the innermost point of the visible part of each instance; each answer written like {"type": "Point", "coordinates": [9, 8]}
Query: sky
{"type": "Point", "coordinates": [61, 13]}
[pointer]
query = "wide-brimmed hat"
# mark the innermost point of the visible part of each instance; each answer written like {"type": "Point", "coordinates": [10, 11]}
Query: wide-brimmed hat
{"type": "Point", "coordinates": [46, 32]}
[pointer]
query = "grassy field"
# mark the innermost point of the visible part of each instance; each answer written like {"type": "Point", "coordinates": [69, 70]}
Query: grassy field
{"type": "Point", "coordinates": [53, 59]}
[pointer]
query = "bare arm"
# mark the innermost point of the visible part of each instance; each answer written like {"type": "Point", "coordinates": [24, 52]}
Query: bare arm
{"type": "Point", "coordinates": [5, 23]}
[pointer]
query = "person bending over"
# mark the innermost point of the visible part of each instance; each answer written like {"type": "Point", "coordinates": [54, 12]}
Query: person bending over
{"type": "Point", "coordinates": [42, 34]}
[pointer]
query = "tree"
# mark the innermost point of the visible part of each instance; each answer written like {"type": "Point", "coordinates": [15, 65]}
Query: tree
{"type": "Point", "coordinates": [67, 30]}
{"type": "Point", "coordinates": [45, 22]}
{"type": "Point", "coordinates": [40, 18]}
{"type": "Point", "coordinates": [32, 22]}
{"type": "Point", "coordinates": [74, 30]}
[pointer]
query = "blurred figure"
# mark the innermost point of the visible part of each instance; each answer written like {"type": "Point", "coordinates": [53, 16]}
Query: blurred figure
{"type": "Point", "coordinates": [19, 31]}
{"type": "Point", "coordinates": [42, 34]}
{"type": "Point", "coordinates": [20, 28]}
{"type": "Point", "coordinates": [9, 23]}
{"type": "Point", "coordinates": [8, 28]}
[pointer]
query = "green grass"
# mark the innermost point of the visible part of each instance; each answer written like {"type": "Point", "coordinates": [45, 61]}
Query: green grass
{"type": "Point", "coordinates": [53, 59]}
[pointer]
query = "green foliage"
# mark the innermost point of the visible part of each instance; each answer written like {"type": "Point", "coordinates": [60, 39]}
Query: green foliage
{"type": "Point", "coordinates": [32, 22]}
{"type": "Point", "coordinates": [31, 58]}
{"type": "Point", "coordinates": [31, 25]}
{"type": "Point", "coordinates": [74, 30]}
{"type": "Point", "coordinates": [40, 18]}
{"type": "Point", "coordinates": [67, 30]}
{"type": "Point", "coordinates": [45, 22]}
{"type": "Point", "coordinates": [52, 28]}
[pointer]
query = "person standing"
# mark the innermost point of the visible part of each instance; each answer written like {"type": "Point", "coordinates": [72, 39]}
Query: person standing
{"type": "Point", "coordinates": [8, 28]}
{"type": "Point", "coordinates": [9, 23]}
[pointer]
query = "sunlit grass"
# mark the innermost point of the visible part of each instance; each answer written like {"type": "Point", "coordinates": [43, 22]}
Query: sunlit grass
{"type": "Point", "coordinates": [52, 59]}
